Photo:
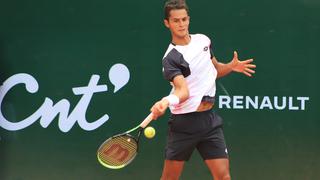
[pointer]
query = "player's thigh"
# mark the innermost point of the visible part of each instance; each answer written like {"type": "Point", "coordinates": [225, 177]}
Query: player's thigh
{"type": "Point", "coordinates": [172, 169]}
{"type": "Point", "coordinates": [219, 168]}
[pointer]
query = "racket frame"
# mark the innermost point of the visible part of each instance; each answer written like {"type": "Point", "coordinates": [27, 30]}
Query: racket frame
{"type": "Point", "coordinates": [140, 127]}
{"type": "Point", "coordinates": [115, 136]}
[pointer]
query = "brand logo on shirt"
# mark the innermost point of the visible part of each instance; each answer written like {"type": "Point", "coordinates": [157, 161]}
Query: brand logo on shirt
{"type": "Point", "coordinates": [205, 48]}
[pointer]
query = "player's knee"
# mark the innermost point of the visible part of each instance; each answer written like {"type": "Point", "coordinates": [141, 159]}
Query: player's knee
{"type": "Point", "coordinates": [170, 176]}
{"type": "Point", "coordinates": [222, 177]}
{"type": "Point", "coordinates": [226, 177]}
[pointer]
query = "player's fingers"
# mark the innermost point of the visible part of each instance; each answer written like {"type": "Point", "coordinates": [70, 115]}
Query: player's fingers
{"type": "Point", "coordinates": [155, 117]}
{"type": "Point", "coordinates": [249, 70]}
{"type": "Point", "coordinates": [162, 110]}
{"type": "Point", "coordinates": [154, 107]}
{"type": "Point", "coordinates": [235, 55]}
{"type": "Point", "coordinates": [158, 109]}
{"type": "Point", "coordinates": [248, 61]}
{"type": "Point", "coordinates": [250, 65]}
{"type": "Point", "coordinates": [163, 106]}
{"type": "Point", "coordinates": [156, 113]}
{"type": "Point", "coordinates": [155, 110]}
{"type": "Point", "coordinates": [247, 74]}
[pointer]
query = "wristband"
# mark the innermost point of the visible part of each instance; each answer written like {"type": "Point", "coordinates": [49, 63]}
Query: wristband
{"type": "Point", "coordinates": [173, 99]}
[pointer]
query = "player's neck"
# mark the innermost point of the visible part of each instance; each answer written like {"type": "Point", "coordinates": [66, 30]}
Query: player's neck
{"type": "Point", "coordinates": [181, 41]}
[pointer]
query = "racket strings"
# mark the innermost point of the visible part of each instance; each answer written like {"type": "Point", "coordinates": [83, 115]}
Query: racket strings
{"type": "Point", "coordinates": [118, 151]}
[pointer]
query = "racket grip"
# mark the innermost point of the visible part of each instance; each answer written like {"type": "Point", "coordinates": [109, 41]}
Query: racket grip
{"type": "Point", "coordinates": [146, 121]}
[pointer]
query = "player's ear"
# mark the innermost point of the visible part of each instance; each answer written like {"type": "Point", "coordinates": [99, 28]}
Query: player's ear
{"type": "Point", "coordinates": [166, 23]}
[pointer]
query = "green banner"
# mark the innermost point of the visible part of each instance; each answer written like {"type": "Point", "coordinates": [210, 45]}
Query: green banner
{"type": "Point", "coordinates": [73, 73]}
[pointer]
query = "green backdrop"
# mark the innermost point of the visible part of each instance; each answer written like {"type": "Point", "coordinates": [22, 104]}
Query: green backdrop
{"type": "Point", "coordinates": [55, 47]}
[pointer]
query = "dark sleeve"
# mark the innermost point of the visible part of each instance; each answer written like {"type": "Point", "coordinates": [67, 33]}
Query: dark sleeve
{"type": "Point", "coordinates": [174, 64]}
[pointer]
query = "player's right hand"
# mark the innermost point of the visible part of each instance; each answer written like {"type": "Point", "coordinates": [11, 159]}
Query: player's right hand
{"type": "Point", "coordinates": [159, 108]}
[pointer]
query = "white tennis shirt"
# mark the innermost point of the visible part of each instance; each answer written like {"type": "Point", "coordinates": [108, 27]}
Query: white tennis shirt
{"type": "Point", "coordinates": [193, 61]}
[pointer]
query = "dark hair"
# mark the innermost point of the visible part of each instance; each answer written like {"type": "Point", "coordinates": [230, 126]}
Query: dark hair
{"type": "Point", "coordinates": [174, 4]}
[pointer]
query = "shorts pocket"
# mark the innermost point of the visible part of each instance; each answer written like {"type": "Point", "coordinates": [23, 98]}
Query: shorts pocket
{"type": "Point", "coordinates": [215, 120]}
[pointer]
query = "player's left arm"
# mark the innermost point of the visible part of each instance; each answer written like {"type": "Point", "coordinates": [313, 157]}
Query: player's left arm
{"type": "Point", "coordinates": [246, 67]}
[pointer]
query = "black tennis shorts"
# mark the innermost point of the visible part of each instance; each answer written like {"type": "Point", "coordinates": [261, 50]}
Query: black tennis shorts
{"type": "Point", "coordinates": [200, 130]}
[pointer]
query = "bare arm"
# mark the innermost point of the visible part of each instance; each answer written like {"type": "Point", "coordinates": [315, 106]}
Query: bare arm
{"type": "Point", "coordinates": [180, 90]}
{"type": "Point", "coordinates": [236, 65]}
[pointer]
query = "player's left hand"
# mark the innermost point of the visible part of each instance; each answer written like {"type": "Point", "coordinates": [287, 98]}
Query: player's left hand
{"type": "Point", "coordinates": [245, 67]}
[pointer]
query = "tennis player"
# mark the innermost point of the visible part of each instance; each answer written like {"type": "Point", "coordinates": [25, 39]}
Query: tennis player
{"type": "Point", "coordinates": [191, 67]}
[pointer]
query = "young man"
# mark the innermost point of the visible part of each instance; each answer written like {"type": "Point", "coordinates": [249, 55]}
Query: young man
{"type": "Point", "coordinates": [192, 69]}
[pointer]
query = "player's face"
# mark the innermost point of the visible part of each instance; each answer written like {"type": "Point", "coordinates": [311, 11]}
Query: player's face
{"type": "Point", "coordinates": [178, 23]}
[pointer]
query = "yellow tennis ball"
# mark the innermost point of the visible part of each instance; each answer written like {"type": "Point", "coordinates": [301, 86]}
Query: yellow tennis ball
{"type": "Point", "coordinates": [149, 132]}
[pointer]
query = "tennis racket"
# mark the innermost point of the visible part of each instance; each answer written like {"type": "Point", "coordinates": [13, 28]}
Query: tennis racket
{"type": "Point", "coordinates": [119, 150]}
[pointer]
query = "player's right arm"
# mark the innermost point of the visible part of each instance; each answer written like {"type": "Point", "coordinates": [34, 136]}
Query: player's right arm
{"type": "Point", "coordinates": [180, 90]}
{"type": "Point", "coordinates": [175, 69]}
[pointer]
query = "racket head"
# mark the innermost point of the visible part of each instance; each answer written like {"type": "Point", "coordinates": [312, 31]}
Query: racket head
{"type": "Point", "coordinates": [117, 151]}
